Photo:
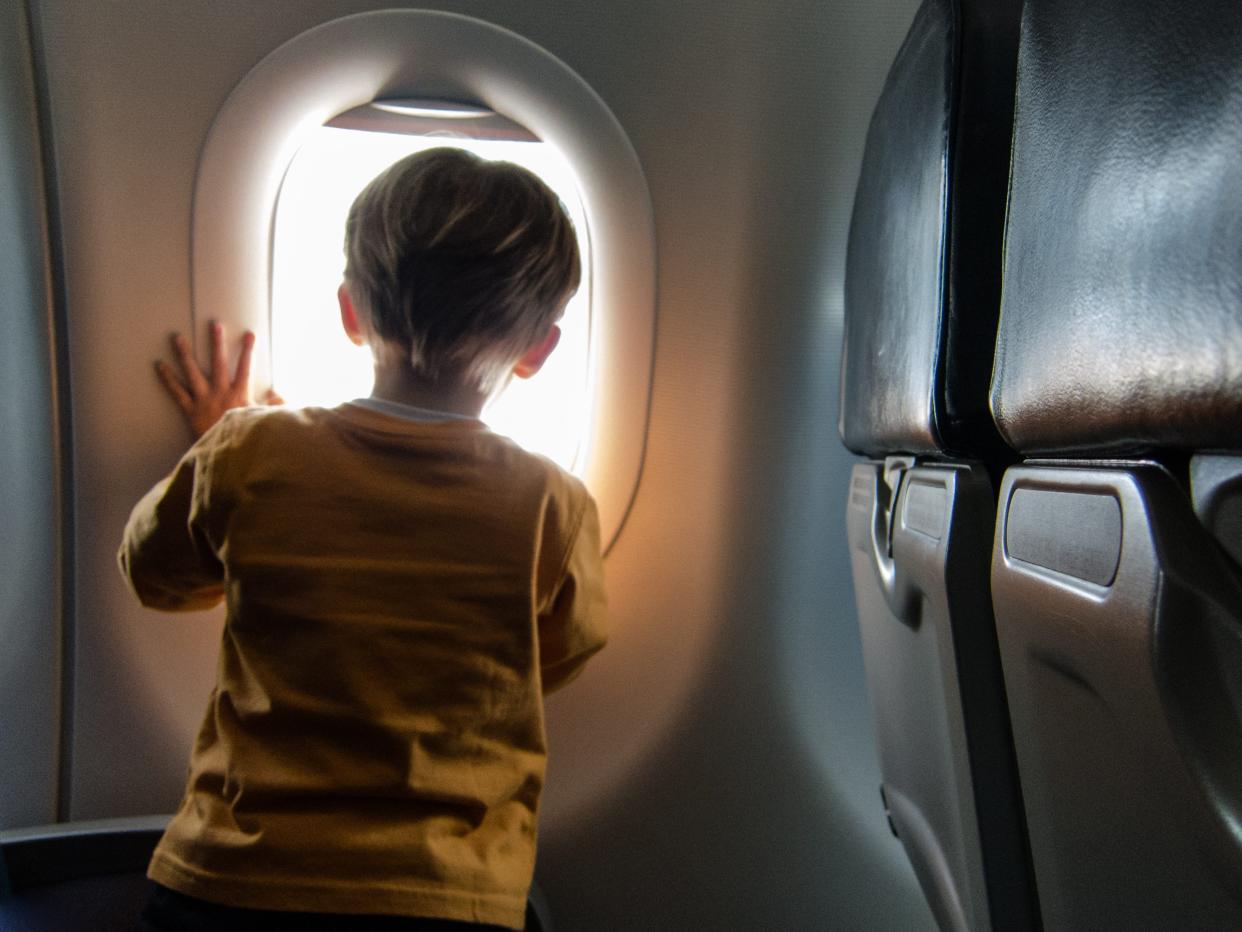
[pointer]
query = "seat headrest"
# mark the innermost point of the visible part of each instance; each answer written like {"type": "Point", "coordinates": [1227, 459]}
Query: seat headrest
{"type": "Point", "coordinates": [1121, 326]}
{"type": "Point", "coordinates": [922, 281]}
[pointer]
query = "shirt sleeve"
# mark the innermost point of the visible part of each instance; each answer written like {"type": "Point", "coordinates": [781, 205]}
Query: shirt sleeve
{"type": "Point", "coordinates": [574, 626]}
{"type": "Point", "coordinates": [165, 556]}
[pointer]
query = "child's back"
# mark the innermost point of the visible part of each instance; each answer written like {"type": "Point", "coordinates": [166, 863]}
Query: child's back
{"type": "Point", "coordinates": [402, 588]}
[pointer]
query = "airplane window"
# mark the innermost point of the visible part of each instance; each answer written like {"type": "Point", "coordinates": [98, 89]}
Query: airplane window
{"type": "Point", "coordinates": [363, 77]}
{"type": "Point", "coordinates": [314, 364]}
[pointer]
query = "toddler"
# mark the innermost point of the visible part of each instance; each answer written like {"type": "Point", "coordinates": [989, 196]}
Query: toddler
{"type": "Point", "coordinates": [402, 585]}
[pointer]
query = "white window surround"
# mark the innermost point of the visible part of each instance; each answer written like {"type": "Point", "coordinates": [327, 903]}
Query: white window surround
{"type": "Point", "coordinates": [420, 53]}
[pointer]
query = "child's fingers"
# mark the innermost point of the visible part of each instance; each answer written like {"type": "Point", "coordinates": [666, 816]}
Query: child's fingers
{"type": "Point", "coordinates": [272, 397]}
{"type": "Point", "coordinates": [241, 379]}
{"type": "Point", "coordinates": [219, 366]}
{"type": "Point", "coordinates": [173, 386]}
{"type": "Point", "coordinates": [189, 366]}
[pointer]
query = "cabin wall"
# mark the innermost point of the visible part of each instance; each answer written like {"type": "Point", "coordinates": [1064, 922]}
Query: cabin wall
{"type": "Point", "coordinates": [30, 513]}
{"type": "Point", "coordinates": [714, 768]}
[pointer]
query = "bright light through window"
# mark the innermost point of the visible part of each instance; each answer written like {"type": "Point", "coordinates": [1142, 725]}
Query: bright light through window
{"type": "Point", "coordinates": [312, 361]}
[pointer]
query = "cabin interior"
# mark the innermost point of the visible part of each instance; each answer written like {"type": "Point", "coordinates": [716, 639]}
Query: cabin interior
{"type": "Point", "coordinates": [907, 375]}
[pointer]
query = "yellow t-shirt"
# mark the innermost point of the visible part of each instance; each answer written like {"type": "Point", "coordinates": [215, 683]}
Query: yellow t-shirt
{"type": "Point", "coordinates": [400, 596]}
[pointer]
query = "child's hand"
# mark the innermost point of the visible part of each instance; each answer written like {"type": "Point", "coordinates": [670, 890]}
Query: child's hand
{"type": "Point", "coordinates": [203, 401]}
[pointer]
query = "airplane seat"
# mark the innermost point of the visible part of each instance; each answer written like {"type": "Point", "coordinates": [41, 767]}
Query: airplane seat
{"type": "Point", "coordinates": [93, 876]}
{"type": "Point", "coordinates": [922, 290]}
{"type": "Point", "coordinates": [89, 875]}
{"type": "Point", "coordinates": [1117, 569]}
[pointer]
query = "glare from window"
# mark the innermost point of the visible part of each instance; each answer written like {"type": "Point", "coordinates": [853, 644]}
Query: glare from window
{"type": "Point", "coordinates": [312, 361]}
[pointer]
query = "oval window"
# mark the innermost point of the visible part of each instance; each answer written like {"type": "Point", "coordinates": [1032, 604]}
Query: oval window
{"type": "Point", "coordinates": [386, 75]}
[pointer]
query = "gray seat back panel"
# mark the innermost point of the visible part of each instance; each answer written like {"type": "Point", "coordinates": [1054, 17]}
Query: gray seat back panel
{"type": "Point", "coordinates": [1120, 626]}
{"type": "Point", "coordinates": [933, 670]}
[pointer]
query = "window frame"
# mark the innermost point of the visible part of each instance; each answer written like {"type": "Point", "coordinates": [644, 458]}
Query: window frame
{"type": "Point", "coordinates": [353, 61]}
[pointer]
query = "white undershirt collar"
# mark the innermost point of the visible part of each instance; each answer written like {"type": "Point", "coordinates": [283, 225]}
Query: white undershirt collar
{"type": "Point", "coordinates": [408, 412]}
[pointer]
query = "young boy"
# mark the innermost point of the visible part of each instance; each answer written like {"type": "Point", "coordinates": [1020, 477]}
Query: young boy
{"type": "Point", "coordinates": [402, 585]}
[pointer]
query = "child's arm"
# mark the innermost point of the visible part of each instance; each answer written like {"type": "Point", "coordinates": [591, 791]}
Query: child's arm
{"type": "Point", "coordinates": [573, 628]}
{"type": "Point", "coordinates": [164, 555]}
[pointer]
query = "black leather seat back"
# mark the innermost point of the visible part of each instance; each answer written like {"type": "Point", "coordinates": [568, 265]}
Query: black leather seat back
{"type": "Point", "coordinates": [923, 271]}
{"type": "Point", "coordinates": [1122, 320]}
{"type": "Point", "coordinates": [922, 294]}
{"type": "Point", "coordinates": [1117, 583]}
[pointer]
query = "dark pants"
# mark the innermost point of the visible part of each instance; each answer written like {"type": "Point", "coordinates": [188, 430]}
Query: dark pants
{"type": "Point", "coordinates": [170, 911]}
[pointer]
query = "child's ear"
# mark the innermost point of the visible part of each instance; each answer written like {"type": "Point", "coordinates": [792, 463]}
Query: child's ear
{"type": "Point", "coordinates": [534, 358]}
{"type": "Point", "coordinates": [349, 317]}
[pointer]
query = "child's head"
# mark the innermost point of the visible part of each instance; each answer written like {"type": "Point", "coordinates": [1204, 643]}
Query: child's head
{"type": "Point", "coordinates": [464, 264]}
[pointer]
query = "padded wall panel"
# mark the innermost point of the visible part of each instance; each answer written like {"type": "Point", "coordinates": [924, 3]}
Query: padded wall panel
{"type": "Point", "coordinates": [922, 283]}
{"type": "Point", "coordinates": [30, 634]}
{"type": "Point", "coordinates": [1121, 326]}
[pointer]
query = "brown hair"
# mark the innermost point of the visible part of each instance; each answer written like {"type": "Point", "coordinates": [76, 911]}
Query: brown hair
{"type": "Point", "coordinates": [463, 262]}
